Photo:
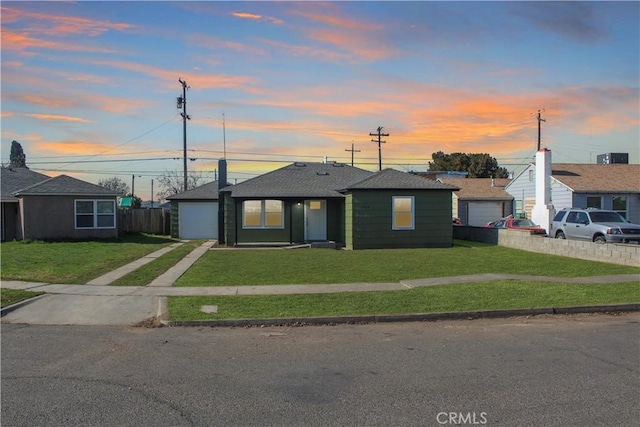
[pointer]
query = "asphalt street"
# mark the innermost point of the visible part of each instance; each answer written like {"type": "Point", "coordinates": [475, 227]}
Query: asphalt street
{"type": "Point", "coordinates": [580, 370]}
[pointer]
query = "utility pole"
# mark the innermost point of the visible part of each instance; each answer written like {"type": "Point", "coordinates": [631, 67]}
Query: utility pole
{"type": "Point", "coordinates": [539, 120]}
{"type": "Point", "coordinates": [152, 193]}
{"type": "Point", "coordinates": [379, 141]}
{"type": "Point", "coordinates": [352, 151]}
{"type": "Point", "coordinates": [133, 185]}
{"type": "Point", "coordinates": [224, 139]}
{"type": "Point", "coordinates": [182, 103]}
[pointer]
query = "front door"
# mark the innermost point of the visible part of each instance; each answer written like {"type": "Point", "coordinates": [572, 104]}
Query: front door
{"type": "Point", "coordinates": [315, 217]}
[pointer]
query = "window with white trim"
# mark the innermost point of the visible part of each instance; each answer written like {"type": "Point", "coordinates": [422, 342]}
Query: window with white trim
{"type": "Point", "coordinates": [95, 213]}
{"type": "Point", "coordinates": [262, 214]}
{"type": "Point", "coordinates": [403, 212]}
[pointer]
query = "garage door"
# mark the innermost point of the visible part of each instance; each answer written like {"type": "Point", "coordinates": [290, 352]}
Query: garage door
{"type": "Point", "coordinates": [198, 220]}
{"type": "Point", "coordinates": [480, 213]}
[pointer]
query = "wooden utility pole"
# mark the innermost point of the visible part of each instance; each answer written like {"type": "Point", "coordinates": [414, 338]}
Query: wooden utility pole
{"type": "Point", "coordinates": [379, 141]}
{"type": "Point", "coordinates": [539, 131]}
{"type": "Point", "coordinates": [182, 103]}
{"type": "Point", "coordinates": [352, 151]}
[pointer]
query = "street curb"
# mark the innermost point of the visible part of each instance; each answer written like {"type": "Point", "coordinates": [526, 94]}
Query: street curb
{"type": "Point", "coordinates": [413, 317]}
{"type": "Point", "coordinates": [8, 309]}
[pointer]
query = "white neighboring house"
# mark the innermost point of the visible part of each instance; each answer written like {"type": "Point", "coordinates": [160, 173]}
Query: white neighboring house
{"type": "Point", "coordinates": [603, 186]}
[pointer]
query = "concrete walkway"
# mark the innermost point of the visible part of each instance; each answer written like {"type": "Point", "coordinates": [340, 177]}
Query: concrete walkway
{"type": "Point", "coordinates": [101, 304]}
{"type": "Point", "coordinates": [114, 275]}
{"type": "Point", "coordinates": [167, 290]}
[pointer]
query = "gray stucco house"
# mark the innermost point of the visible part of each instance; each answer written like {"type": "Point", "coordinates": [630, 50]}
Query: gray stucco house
{"type": "Point", "coordinates": [355, 208]}
{"type": "Point", "coordinates": [59, 208]}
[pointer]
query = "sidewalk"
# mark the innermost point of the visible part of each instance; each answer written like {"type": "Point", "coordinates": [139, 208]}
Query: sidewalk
{"type": "Point", "coordinates": [98, 303]}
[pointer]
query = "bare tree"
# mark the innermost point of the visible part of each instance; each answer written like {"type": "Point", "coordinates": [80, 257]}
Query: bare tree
{"type": "Point", "coordinates": [172, 182]}
{"type": "Point", "coordinates": [115, 184]}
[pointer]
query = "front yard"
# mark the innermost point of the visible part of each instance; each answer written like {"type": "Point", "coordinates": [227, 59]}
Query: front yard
{"type": "Point", "coordinates": [73, 262]}
{"type": "Point", "coordinates": [79, 262]}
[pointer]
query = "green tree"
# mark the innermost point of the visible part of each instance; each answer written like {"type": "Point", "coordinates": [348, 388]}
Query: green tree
{"type": "Point", "coordinates": [477, 165]}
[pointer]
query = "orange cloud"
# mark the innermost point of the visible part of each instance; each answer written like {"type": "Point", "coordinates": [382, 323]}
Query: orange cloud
{"type": "Point", "coordinates": [19, 42]}
{"type": "Point", "coordinates": [56, 25]}
{"type": "Point", "coordinates": [211, 42]}
{"type": "Point", "coordinates": [360, 39]}
{"type": "Point", "coordinates": [71, 148]}
{"type": "Point", "coordinates": [208, 81]}
{"type": "Point", "coordinates": [256, 17]}
{"type": "Point", "coordinates": [245, 15]}
{"type": "Point", "coordinates": [305, 50]}
{"type": "Point", "coordinates": [43, 100]}
{"type": "Point", "coordinates": [58, 118]}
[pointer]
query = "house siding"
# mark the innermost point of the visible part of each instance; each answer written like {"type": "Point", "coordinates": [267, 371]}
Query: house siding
{"type": "Point", "coordinates": [59, 214]}
{"type": "Point", "coordinates": [369, 220]}
{"type": "Point", "coordinates": [521, 188]}
{"type": "Point", "coordinates": [561, 196]}
{"type": "Point", "coordinates": [175, 219]}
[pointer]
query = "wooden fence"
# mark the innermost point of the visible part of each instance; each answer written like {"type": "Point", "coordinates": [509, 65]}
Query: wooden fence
{"type": "Point", "coordinates": [153, 221]}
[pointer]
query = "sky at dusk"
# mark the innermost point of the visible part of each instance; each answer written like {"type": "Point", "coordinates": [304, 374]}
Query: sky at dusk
{"type": "Point", "coordinates": [89, 88]}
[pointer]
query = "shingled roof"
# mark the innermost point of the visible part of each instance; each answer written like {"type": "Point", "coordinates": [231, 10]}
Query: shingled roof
{"type": "Point", "coordinates": [598, 178]}
{"type": "Point", "coordinates": [480, 188]}
{"type": "Point", "coordinates": [64, 185]}
{"type": "Point", "coordinates": [14, 179]}
{"type": "Point", "coordinates": [300, 180]}
{"type": "Point", "coordinates": [391, 179]}
{"type": "Point", "coordinates": [207, 191]}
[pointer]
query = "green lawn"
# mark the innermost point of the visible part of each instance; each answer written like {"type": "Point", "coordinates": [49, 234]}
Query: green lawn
{"type": "Point", "coordinates": [495, 295]}
{"type": "Point", "coordinates": [306, 266]}
{"type": "Point", "coordinates": [12, 296]}
{"type": "Point", "coordinates": [73, 262]}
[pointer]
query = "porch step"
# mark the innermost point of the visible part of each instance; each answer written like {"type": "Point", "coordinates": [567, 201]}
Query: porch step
{"type": "Point", "coordinates": [323, 245]}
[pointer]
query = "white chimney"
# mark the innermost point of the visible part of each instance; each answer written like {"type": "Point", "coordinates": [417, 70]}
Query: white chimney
{"type": "Point", "coordinates": [543, 211]}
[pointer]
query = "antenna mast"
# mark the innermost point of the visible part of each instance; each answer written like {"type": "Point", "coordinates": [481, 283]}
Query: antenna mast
{"type": "Point", "coordinates": [539, 120]}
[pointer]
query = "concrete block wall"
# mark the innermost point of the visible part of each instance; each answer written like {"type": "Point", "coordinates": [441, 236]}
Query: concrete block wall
{"type": "Point", "coordinates": [608, 252]}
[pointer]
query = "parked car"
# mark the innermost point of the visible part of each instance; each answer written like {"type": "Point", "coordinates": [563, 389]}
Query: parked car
{"type": "Point", "coordinates": [594, 225]}
{"type": "Point", "coordinates": [517, 224]}
{"type": "Point", "coordinates": [456, 221]}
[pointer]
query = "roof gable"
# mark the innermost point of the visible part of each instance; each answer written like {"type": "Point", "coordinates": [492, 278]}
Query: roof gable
{"type": "Point", "coordinates": [65, 185]}
{"type": "Point", "coordinates": [14, 179]}
{"type": "Point", "coordinates": [321, 180]}
{"type": "Point", "coordinates": [391, 179]}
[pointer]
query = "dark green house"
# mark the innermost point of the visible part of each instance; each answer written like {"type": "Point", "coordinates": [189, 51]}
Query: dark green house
{"type": "Point", "coordinates": [355, 208]}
